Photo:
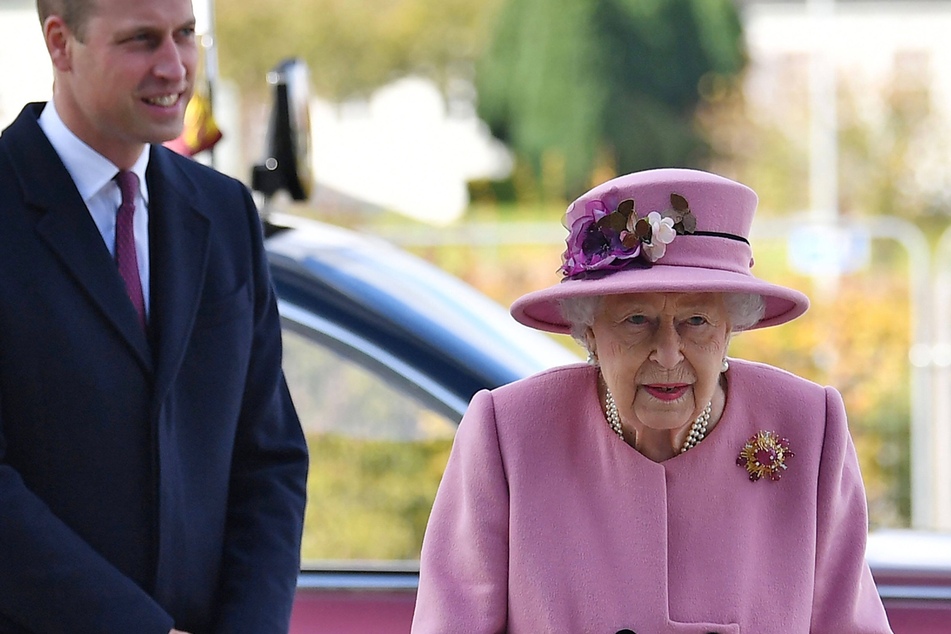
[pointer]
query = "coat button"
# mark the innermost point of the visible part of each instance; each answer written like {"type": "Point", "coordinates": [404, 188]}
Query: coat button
{"type": "Point", "coordinates": [625, 632]}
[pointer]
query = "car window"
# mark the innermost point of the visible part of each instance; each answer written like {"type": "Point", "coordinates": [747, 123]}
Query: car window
{"type": "Point", "coordinates": [376, 456]}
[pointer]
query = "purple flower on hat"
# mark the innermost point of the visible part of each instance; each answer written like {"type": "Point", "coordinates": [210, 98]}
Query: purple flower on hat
{"type": "Point", "coordinates": [606, 234]}
{"type": "Point", "coordinates": [596, 235]}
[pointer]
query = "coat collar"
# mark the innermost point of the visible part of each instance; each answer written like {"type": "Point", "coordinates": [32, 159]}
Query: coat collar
{"type": "Point", "coordinates": [179, 236]}
{"type": "Point", "coordinates": [90, 170]}
{"type": "Point", "coordinates": [66, 227]}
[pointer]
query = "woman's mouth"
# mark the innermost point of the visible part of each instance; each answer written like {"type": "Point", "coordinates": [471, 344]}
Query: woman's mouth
{"type": "Point", "coordinates": [667, 391]}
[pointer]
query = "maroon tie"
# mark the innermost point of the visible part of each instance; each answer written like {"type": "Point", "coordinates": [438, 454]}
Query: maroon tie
{"type": "Point", "coordinates": [126, 259]}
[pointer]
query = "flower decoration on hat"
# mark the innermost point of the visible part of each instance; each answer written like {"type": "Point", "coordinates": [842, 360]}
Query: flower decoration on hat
{"type": "Point", "coordinates": [606, 234]}
{"type": "Point", "coordinates": [765, 455]}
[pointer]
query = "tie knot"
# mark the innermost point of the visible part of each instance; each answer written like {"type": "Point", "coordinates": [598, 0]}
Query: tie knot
{"type": "Point", "coordinates": [128, 186]}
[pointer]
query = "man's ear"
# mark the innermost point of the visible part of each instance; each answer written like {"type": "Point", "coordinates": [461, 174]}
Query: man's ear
{"type": "Point", "coordinates": [59, 42]}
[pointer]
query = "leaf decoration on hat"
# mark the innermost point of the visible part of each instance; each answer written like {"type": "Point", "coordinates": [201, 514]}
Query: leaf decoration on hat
{"type": "Point", "coordinates": [684, 221]}
{"type": "Point", "coordinates": [626, 208]}
{"type": "Point", "coordinates": [642, 230]}
{"type": "Point", "coordinates": [615, 222]}
{"type": "Point", "coordinates": [606, 234]}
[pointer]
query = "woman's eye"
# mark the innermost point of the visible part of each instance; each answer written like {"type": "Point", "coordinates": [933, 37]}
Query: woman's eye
{"type": "Point", "coordinates": [697, 320]}
{"type": "Point", "coordinates": [637, 319]}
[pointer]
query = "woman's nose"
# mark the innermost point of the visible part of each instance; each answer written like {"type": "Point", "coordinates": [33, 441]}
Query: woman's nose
{"type": "Point", "coordinates": [668, 350]}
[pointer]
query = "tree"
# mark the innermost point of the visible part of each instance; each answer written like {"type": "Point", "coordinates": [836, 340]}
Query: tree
{"type": "Point", "coordinates": [351, 47]}
{"type": "Point", "coordinates": [577, 85]}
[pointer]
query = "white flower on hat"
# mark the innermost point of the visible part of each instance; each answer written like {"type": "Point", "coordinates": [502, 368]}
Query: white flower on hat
{"type": "Point", "coordinates": [662, 234]}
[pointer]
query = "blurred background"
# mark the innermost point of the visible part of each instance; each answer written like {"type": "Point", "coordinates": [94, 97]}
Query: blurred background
{"type": "Point", "coordinates": [460, 130]}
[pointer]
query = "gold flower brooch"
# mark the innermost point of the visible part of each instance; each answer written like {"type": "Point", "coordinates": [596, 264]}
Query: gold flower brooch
{"type": "Point", "coordinates": [764, 455]}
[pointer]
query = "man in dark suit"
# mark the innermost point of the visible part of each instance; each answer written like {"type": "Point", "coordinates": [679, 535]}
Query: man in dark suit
{"type": "Point", "coordinates": [152, 467]}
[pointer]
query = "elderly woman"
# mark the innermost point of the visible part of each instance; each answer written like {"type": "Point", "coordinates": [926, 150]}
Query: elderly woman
{"type": "Point", "coordinates": [662, 488]}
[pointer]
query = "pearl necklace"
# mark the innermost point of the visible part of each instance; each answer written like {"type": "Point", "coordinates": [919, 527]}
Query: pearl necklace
{"type": "Point", "coordinates": [698, 429]}
{"type": "Point", "coordinates": [614, 417]}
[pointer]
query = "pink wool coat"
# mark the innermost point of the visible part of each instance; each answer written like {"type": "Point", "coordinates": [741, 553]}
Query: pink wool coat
{"type": "Point", "coordinates": [546, 522]}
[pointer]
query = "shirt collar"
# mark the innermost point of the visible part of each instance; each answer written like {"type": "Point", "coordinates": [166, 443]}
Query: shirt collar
{"type": "Point", "coordinates": [89, 169]}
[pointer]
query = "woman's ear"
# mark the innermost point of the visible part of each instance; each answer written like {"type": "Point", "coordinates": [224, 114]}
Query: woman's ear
{"type": "Point", "coordinates": [592, 346]}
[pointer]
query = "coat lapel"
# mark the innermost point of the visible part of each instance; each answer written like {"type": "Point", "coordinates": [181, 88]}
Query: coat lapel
{"type": "Point", "coordinates": [66, 227]}
{"type": "Point", "coordinates": [179, 235]}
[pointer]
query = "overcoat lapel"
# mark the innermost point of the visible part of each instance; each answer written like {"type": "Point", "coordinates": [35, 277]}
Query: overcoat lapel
{"type": "Point", "coordinates": [179, 235]}
{"type": "Point", "coordinates": [66, 227]}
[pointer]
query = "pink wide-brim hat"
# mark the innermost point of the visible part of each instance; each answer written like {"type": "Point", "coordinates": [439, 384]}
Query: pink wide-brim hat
{"type": "Point", "coordinates": [717, 257]}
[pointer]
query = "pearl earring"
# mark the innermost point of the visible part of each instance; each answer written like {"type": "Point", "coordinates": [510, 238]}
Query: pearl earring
{"type": "Point", "coordinates": [592, 358]}
{"type": "Point", "coordinates": [725, 366]}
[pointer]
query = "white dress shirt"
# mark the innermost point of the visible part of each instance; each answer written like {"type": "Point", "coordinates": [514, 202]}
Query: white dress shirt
{"type": "Point", "coordinates": [93, 175]}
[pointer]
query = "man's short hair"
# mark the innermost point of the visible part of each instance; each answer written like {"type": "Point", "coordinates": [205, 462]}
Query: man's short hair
{"type": "Point", "coordinates": [75, 13]}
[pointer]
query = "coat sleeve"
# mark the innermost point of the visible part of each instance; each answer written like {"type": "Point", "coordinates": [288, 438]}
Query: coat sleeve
{"type": "Point", "coordinates": [464, 563]}
{"type": "Point", "coordinates": [261, 550]}
{"type": "Point", "coordinates": [845, 599]}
